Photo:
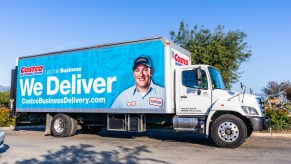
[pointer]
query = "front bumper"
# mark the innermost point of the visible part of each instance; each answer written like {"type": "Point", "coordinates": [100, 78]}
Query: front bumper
{"type": "Point", "coordinates": [260, 123]}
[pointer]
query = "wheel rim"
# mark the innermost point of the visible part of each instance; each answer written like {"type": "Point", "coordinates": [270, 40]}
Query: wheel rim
{"type": "Point", "coordinates": [59, 125]}
{"type": "Point", "coordinates": [228, 131]}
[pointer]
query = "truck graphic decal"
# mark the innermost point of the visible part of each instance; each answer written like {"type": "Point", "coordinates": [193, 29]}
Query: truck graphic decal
{"type": "Point", "coordinates": [84, 79]}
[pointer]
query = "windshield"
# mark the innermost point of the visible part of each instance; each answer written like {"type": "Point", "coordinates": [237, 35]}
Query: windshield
{"type": "Point", "coordinates": [217, 82]}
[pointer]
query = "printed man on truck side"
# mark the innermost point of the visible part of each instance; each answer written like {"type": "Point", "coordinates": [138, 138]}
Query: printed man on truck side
{"type": "Point", "coordinates": [144, 93]}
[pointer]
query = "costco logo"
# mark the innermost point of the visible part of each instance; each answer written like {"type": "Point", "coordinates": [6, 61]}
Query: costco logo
{"type": "Point", "coordinates": [32, 70]}
{"type": "Point", "coordinates": [156, 101]}
{"type": "Point", "coordinates": [180, 60]}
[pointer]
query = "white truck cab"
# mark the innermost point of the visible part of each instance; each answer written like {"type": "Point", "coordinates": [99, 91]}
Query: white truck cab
{"type": "Point", "coordinates": [230, 117]}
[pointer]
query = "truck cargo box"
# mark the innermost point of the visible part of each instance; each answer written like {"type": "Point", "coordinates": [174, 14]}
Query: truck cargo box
{"type": "Point", "coordinates": [99, 79]}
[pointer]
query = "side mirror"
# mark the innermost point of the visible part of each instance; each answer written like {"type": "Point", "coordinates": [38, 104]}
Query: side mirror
{"type": "Point", "coordinates": [244, 90]}
{"type": "Point", "coordinates": [199, 76]}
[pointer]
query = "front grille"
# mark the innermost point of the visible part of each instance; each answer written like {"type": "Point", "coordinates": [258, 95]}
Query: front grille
{"type": "Point", "coordinates": [260, 101]}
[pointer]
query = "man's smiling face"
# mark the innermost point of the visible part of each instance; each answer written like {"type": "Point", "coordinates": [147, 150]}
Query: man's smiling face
{"type": "Point", "coordinates": [142, 76]}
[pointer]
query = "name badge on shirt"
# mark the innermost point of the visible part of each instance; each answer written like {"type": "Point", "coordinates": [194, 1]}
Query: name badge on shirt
{"type": "Point", "coordinates": [129, 104]}
{"type": "Point", "coordinates": [156, 101]}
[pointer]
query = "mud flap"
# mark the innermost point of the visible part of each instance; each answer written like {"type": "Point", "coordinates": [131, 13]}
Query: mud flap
{"type": "Point", "coordinates": [49, 119]}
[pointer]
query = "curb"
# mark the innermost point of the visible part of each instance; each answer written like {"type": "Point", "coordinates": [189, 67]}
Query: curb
{"type": "Point", "coordinates": [284, 135]}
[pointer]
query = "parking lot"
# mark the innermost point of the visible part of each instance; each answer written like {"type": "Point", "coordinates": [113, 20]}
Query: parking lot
{"type": "Point", "coordinates": [154, 146]}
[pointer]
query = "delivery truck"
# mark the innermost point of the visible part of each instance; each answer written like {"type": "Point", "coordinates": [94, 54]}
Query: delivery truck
{"type": "Point", "coordinates": [128, 85]}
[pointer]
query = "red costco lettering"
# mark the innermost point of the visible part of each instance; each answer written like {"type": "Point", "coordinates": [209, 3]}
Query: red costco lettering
{"type": "Point", "coordinates": [31, 69]}
{"type": "Point", "coordinates": [156, 101]}
{"type": "Point", "coordinates": [181, 60]}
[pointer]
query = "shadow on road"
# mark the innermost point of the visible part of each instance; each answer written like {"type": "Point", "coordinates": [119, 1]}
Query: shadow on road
{"type": "Point", "coordinates": [163, 135]}
{"type": "Point", "coordinates": [84, 153]}
{"type": "Point", "coordinates": [4, 149]}
{"type": "Point", "coordinates": [158, 134]}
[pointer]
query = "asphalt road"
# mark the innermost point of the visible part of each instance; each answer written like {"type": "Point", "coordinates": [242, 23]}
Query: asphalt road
{"type": "Point", "coordinates": [154, 146]}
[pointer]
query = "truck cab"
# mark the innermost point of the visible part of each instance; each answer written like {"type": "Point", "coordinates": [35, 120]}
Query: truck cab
{"type": "Point", "coordinates": [229, 117]}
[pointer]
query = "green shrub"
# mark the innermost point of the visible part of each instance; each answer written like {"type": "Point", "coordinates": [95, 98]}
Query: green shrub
{"type": "Point", "coordinates": [288, 106]}
{"type": "Point", "coordinates": [5, 119]}
{"type": "Point", "coordinates": [4, 99]}
{"type": "Point", "coordinates": [279, 119]}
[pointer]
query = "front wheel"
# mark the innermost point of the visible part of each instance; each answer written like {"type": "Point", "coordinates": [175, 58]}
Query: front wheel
{"type": "Point", "coordinates": [228, 131]}
{"type": "Point", "coordinates": [249, 131]}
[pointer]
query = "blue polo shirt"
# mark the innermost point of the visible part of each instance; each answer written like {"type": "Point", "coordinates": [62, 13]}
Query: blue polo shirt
{"type": "Point", "coordinates": [132, 98]}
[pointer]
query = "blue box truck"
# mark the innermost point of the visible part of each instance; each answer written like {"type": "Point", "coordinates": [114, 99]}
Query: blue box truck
{"type": "Point", "coordinates": [128, 85]}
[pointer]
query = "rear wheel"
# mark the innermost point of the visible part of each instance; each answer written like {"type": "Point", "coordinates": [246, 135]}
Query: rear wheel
{"type": "Point", "coordinates": [61, 125]}
{"type": "Point", "coordinates": [228, 131]}
{"type": "Point", "coordinates": [74, 127]}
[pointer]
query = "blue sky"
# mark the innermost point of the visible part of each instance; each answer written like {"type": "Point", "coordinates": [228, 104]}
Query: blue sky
{"type": "Point", "coordinates": [33, 27]}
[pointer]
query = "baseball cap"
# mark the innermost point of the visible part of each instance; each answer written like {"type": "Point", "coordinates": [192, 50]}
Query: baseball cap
{"type": "Point", "coordinates": [142, 60]}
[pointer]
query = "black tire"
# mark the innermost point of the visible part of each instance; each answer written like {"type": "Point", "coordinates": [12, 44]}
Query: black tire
{"type": "Point", "coordinates": [228, 131]}
{"type": "Point", "coordinates": [249, 131]}
{"type": "Point", "coordinates": [74, 127]}
{"type": "Point", "coordinates": [61, 125]}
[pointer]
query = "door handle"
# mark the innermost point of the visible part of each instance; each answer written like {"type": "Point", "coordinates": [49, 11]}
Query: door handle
{"type": "Point", "coordinates": [183, 96]}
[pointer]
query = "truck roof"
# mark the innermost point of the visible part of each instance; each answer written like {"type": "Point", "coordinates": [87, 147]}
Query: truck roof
{"type": "Point", "coordinates": [201, 65]}
{"type": "Point", "coordinates": [106, 45]}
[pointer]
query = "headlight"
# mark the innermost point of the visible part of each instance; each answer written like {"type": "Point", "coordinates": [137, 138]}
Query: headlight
{"type": "Point", "coordinates": [250, 110]}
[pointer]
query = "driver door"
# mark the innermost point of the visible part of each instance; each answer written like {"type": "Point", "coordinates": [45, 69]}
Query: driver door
{"type": "Point", "coordinates": [192, 99]}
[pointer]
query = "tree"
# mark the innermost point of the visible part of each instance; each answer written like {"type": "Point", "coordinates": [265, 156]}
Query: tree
{"type": "Point", "coordinates": [275, 88]}
{"type": "Point", "coordinates": [225, 51]}
{"type": "Point", "coordinates": [4, 99]}
{"type": "Point", "coordinates": [288, 93]}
